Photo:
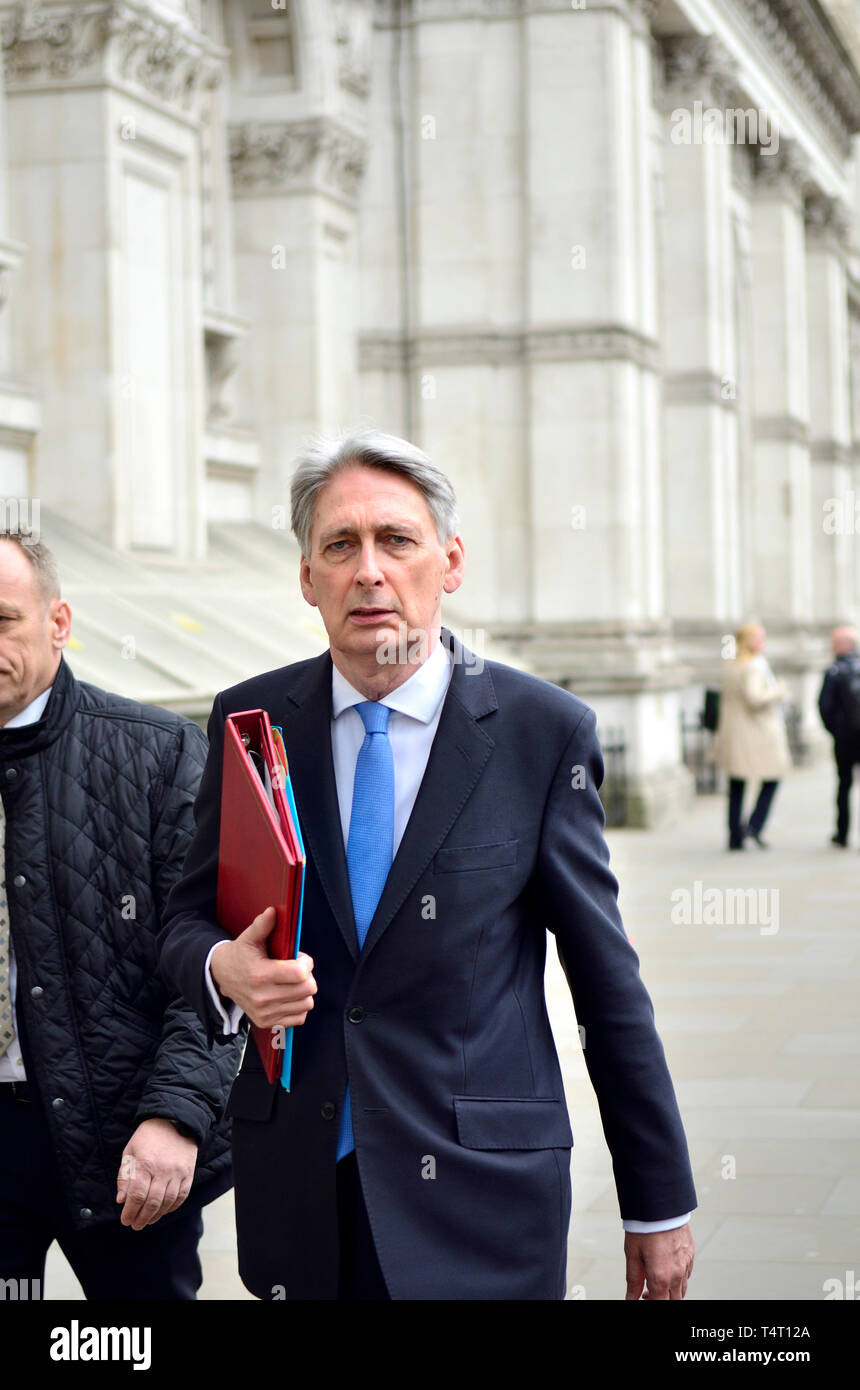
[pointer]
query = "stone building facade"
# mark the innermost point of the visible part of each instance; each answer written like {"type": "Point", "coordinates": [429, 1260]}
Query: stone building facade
{"type": "Point", "coordinates": [600, 259]}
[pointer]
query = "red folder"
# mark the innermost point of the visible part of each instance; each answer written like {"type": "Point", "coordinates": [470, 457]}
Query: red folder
{"type": "Point", "coordinates": [260, 856]}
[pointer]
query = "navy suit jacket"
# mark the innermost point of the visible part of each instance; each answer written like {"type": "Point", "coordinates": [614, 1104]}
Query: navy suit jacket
{"type": "Point", "coordinates": [440, 1024]}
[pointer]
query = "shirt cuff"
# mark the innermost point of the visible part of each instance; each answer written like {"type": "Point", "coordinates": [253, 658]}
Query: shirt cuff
{"type": "Point", "coordinates": [644, 1227]}
{"type": "Point", "coordinates": [230, 1022]}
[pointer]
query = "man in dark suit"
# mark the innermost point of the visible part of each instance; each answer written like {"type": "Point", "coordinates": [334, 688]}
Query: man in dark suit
{"type": "Point", "coordinates": [451, 817]}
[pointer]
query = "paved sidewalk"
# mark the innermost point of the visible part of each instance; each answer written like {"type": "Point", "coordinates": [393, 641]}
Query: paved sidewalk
{"type": "Point", "coordinates": [762, 1034]}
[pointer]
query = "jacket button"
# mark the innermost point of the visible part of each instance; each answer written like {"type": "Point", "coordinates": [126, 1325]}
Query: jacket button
{"type": "Point", "coordinates": [327, 1111]}
{"type": "Point", "coordinates": [356, 1014]}
{"type": "Point", "coordinates": [36, 992]}
{"type": "Point", "coordinates": [11, 774]}
{"type": "Point", "coordinates": [58, 1102]}
{"type": "Point", "coordinates": [19, 880]}
{"type": "Point", "coordinates": [85, 1212]}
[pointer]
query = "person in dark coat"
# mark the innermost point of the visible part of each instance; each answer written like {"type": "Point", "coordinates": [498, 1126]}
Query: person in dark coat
{"type": "Point", "coordinates": [113, 1128]}
{"type": "Point", "coordinates": [839, 706]}
{"type": "Point", "coordinates": [423, 1148]}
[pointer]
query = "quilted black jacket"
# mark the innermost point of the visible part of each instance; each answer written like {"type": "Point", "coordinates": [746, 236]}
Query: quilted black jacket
{"type": "Point", "coordinates": [98, 797]}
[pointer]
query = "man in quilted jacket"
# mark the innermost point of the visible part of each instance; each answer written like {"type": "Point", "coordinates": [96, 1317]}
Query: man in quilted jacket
{"type": "Point", "coordinates": [113, 1134]}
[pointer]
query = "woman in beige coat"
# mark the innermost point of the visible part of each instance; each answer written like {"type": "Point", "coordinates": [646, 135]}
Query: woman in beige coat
{"type": "Point", "coordinates": [751, 741]}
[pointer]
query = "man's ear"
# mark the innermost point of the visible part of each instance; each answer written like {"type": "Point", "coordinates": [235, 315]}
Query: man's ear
{"type": "Point", "coordinates": [60, 623]}
{"type": "Point", "coordinates": [307, 587]}
{"type": "Point", "coordinates": [455, 573]}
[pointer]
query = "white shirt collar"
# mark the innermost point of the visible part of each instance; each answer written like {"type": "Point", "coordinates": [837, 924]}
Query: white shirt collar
{"type": "Point", "coordinates": [32, 713]}
{"type": "Point", "coordinates": [420, 696]}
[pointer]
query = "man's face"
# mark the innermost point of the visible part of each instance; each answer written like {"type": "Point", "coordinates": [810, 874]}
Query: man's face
{"type": "Point", "coordinates": [377, 570]}
{"type": "Point", "coordinates": [33, 633]}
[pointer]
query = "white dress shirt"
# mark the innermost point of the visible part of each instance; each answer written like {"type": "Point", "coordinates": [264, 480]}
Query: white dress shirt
{"type": "Point", "coordinates": [416, 708]}
{"type": "Point", "coordinates": [12, 1063]}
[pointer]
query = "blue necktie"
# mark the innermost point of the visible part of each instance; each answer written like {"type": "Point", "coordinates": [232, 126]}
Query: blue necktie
{"type": "Point", "coordinates": [370, 845]}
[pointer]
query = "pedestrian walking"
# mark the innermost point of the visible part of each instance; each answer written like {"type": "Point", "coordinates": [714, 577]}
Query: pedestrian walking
{"type": "Point", "coordinates": [839, 706]}
{"type": "Point", "coordinates": [751, 742]}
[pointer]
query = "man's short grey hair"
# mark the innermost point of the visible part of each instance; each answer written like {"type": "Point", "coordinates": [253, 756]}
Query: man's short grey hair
{"type": "Point", "coordinates": [40, 557]}
{"type": "Point", "coordinates": [324, 457]}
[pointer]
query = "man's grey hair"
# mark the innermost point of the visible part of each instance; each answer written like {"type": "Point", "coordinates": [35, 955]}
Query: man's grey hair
{"type": "Point", "coordinates": [324, 457]}
{"type": "Point", "coordinates": [40, 557]}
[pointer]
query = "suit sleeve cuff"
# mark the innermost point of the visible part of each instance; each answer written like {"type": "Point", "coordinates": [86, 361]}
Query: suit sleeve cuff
{"type": "Point", "coordinates": [644, 1227]}
{"type": "Point", "coordinates": [230, 1022]}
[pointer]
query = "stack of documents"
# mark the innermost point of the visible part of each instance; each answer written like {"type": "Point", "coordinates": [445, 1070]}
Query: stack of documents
{"type": "Point", "coordinates": [261, 858]}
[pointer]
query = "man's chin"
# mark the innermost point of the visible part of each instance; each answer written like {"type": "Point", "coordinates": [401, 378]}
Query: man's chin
{"type": "Point", "coordinates": [372, 637]}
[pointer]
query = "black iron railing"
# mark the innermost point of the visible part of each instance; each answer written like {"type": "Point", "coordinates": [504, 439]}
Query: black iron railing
{"type": "Point", "coordinates": [613, 793]}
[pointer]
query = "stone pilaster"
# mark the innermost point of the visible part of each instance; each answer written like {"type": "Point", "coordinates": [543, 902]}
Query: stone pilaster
{"type": "Point", "coordinates": [698, 94]}
{"type": "Point", "coordinates": [104, 103]}
{"type": "Point", "coordinates": [829, 407]}
{"type": "Point", "coordinates": [780, 499]}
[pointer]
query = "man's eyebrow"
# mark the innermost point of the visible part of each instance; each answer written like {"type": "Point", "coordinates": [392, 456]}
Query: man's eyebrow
{"type": "Point", "coordinates": [399, 528]}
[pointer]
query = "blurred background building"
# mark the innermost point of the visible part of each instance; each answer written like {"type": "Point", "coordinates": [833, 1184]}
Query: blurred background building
{"type": "Point", "coordinates": [600, 259]}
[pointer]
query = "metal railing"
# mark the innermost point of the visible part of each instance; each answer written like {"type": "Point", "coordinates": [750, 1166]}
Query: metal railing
{"type": "Point", "coordinates": [696, 743]}
{"type": "Point", "coordinates": [613, 793]}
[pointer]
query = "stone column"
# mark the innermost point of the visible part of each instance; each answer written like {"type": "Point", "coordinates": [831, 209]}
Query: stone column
{"type": "Point", "coordinates": [853, 498]}
{"type": "Point", "coordinates": [700, 367]}
{"type": "Point", "coordinates": [298, 151]}
{"type": "Point", "coordinates": [103, 104]}
{"type": "Point", "coordinates": [781, 502]}
{"type": "Point", "coordinates": [594, 421]}
{"type": "Point", "coordinates": [833, 541]}
{"type": "Point", "coordinates": [20, 410]}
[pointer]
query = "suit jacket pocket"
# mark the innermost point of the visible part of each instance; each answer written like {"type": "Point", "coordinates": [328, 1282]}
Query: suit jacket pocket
{"type": "Point", "coordinates": [485, 1122]}
{"type": "Point", "coordinates": [459, 857]}
{"type": "Point", "coordinates": [252, 1097]}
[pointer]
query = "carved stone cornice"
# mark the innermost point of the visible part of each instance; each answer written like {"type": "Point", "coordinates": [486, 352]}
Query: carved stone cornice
{"type": "Point", "coordinates": [172, 62]}
{"type": "Point", "coordinates": [43, 44]}
{"type": "Point", "coordinates": [110, 41]}
{"type": "Point", "coordinates": [498, 346]}
{"type": "Point", "coordinates": [829, 451]}
{"type": "Point", "coordinates": [314, 155]}
{"type": "Point", "coordinates": [697, 67]}
{"type": "Point", "coordinates": [386, 12]}
{"type": "Point", "coordinates": [807, 47]}
{"type": "Point", "coordinates": [697, 388]}
{"type": "Point", "coordinates": [782, 171]}
{"type": "Point", "coordinates": [781, 429]}
{"type": "Point", "coordinates": [828, 220]}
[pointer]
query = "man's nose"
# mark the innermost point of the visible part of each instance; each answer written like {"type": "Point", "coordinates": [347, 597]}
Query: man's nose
{"type": "Point", "coordinates": [368, 571]}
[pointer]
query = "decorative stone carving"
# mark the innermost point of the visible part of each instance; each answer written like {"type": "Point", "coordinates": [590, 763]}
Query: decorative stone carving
{"type": "Point", "coordinates": [386, 12]}
{"type": "Point", "coordinates": [278, 156]}
{"type": "Point", "coordinates": [829, 218]}
{"type": "Point", "coordinates": [352, 30]}
{"type": "Point", "coordinates": [818, 69]}
{"type": "Point", "coordinates": [459, 347]}
{"type": "Point", "coordinates": [171, 62]}
{"type": "Point", "coordinates": [69, 43]}
{"type": "Point", "coordinates": [697, 66]}
{"type": "Point", "coordinates": [784, 170]}
{"type": "Point", "coordinates": [52, 43]}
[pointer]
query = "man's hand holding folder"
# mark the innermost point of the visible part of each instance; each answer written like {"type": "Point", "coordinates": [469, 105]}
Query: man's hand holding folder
{"type": "Point", "coordinates": [273, 993]}
{"type": "Point", "coordinates": [261, 866]}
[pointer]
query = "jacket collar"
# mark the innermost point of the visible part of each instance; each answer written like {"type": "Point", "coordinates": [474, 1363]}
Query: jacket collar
{"type": "Point", "coordinates": [458, 756]}
{"type": "Point", "coordinates": [58, 714]}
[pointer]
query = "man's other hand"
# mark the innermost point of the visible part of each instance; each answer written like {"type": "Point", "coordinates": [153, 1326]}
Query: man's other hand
{"type": "Point", "coordinates": [659, 1262]}
{"type": "Point", "coordinates": [155, 1173]}
{"type": "Point", "coordinates": [273, 993]}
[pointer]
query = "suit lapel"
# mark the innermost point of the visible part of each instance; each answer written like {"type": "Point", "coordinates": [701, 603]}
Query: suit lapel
{"type": "Point", "coordinates": [307, 737]}
{"type": "Point", "coordinates": [458, 756]}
